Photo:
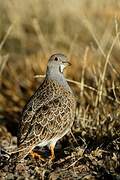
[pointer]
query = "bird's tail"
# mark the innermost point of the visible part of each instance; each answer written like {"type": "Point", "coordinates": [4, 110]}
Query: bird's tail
{"type": "Point", "coordinates": [19, 154]}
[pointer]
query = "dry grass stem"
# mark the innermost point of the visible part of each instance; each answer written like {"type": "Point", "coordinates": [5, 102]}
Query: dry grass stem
{"type": "Point", "coordinates": [83, 71]}
{"type": "Point", "coordinates": [6, 36]}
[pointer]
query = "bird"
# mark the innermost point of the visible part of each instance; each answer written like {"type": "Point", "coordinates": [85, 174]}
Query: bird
{"type": "Point", "coordinates": [49, 113]}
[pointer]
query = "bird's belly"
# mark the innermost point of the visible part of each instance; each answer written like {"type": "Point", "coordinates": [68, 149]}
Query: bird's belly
{"type": "Point", "coordinates": [42, 144]}
{"type": "Point", "coordinates": [53, 140]}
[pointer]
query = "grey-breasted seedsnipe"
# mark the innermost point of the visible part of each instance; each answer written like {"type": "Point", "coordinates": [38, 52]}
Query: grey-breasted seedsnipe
{"type": "Point", "coordinates": [49, 113]}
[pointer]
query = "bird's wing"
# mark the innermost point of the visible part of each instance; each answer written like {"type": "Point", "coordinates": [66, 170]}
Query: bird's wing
{"type": "Point", "coordinates": [48, 121]}
{"type": "Point", "coordinates": [44, 95]}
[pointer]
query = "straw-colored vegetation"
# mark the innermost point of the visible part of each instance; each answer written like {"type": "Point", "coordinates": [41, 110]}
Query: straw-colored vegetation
{"type": "Point", "coordinates": [88, 32]}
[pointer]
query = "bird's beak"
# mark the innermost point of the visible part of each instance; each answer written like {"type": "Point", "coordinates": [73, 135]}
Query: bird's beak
{"type": "Point", "coordinates": [67, 63]}
{"type": "Point", "coordinates": [64, 65]}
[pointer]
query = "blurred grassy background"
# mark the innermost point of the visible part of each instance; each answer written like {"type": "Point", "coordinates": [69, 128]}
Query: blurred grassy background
{"type": "Point", "coordinates": [88, 32]}
{"type": "Point", "coordinates": [48, 26]}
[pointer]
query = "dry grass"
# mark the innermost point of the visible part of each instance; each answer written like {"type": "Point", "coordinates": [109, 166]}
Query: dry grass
{"type": "Point", "coordinates": [89, 34]}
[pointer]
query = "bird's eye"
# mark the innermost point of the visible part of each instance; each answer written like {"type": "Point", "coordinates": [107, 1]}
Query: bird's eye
{"type": "Point", "coordinates": [56, 59]}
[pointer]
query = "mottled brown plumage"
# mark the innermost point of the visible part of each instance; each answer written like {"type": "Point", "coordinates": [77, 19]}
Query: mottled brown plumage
{"type": "Point", "coordinates": [49, 114]}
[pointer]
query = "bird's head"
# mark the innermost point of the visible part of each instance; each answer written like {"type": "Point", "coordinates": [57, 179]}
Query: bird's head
{"type": "Point", "coordinates": [58, 62]}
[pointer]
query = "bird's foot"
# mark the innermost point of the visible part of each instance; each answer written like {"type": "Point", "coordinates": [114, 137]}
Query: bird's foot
{"type": "Point", "coordinates": [36, 156]}
{"type": "Point", "coordinates": [52, 156]}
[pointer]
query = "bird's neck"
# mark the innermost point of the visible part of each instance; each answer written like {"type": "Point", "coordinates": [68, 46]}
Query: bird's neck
{"type": "Point", "coordinates": [59, 77]}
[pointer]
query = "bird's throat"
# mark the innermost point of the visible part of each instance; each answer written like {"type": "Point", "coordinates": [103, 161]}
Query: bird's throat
{"type": "Point", "coordinates": [59, 77]}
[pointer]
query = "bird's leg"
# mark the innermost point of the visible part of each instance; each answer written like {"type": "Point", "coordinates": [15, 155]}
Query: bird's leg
{"type": "Point", "coordinates": [52, 157]}
{"type": "Point", "coordinates": [36, 155]}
